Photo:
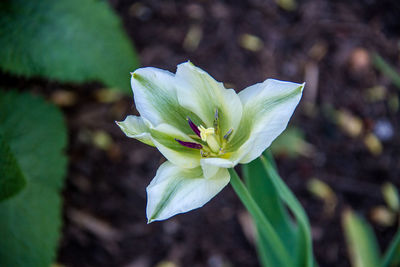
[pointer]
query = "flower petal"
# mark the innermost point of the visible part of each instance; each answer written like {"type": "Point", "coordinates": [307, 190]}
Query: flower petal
{"type": "Point", "coordinates": [155, 98]}
{"type": "Point", "coordinates": [164, 136]}
{"type": "Point", "coordinates": [211, 166]}
{"type": "Point", "coordinates": [199, 92]}
{"type": "Point", "coordinates": [135, 127]}
{"type": "Point", "coordinates": [174, 190]}
{"type": "Point", "coordinates": [267, 108]}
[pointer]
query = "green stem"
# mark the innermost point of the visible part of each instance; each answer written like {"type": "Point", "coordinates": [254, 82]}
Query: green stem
{"type": "Point", "coordinates": [264, 225]}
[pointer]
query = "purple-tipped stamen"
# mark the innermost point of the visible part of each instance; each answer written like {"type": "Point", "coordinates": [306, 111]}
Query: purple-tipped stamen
{"type": "Point", "coordinates": [216, 118]}
{"type": "Point", "coordinates": [189, 144]}
{"type": "Point", "coordinates": [194, 127]}
{"type": "Point", "coordinates": [228, 134]}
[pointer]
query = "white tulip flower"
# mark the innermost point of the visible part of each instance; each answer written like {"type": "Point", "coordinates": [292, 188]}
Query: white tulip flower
{"type": "Point", "coordinates": [202, 129]}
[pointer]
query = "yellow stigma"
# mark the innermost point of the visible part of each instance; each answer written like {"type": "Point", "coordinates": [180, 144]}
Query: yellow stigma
{"type": "Point", "coordinates": [208, 135]}
{"type": "Point", "coordinates": [205, 133]}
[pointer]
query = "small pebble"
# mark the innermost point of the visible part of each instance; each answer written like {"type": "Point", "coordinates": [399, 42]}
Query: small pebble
{"type": "Point", "coordinates": [251, 42]}
{"type": "Point", "coordinates": [383, 130]}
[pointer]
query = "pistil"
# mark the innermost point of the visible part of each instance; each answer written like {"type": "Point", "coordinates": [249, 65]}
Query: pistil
{"type": "Point", "coordinates": [208, 135]}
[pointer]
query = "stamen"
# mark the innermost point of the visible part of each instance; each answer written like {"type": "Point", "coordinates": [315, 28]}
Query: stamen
{"type": "Point", "coordinates": [216, 122]}
{"type": "Point", "coordinates": [194, 127]}
{"type": "Point", "coordinates": [228, 134]}
{"type": "Point", "coordinates": [189, 144]}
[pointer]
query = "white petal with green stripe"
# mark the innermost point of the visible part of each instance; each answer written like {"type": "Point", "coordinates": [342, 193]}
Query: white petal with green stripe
{"type": "Point", "coordinates": [135, 127]}
{"type": "Point", "coordinates": [174, 190]}
{"type": "Point", "coordinates": [199, 92]}
{"type": "Point", "coordinates": [267, 108]}
{"type": "Point", "coordinates": [154, 91]}
{"type": "Point", "coordinates": [164, 136]}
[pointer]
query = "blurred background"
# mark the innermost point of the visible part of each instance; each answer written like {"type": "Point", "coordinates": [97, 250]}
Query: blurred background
{"type": "Point", "coordinates": [341, 146]}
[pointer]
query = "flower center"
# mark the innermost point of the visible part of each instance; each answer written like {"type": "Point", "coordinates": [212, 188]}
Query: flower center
{"type": "Point", "coordinates": [208, 135]}
{"type": "Point", "coordinates": [212, 144]}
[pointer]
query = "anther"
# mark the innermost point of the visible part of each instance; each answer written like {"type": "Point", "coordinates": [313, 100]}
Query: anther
{"type": "Point", "coordinates": [193, 126]}
{"type": "Point", "coordinates": [189, 144]}
{"type": "Point", "coordinates": [228, 134]}
{"type": "Point", "coordinates": [216, 122]}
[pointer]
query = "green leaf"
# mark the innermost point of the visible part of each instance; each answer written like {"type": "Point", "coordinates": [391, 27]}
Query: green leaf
{"type": "Point", "coordinates": [30, 221]}
{"type": "Point", "coordinates": [386, 69]}
{"type": "Point", "coordinates": [65, 40]}
{"type": "Point", "coordinates": [279, 251]}
{"type": "Point", "coordinates": [264, 193]}
{"type": "Point", "coordinates": [361, 243]}
{"type": "Point", "coordinates": [303, 244]}
{"type": "Point", "coordinates": [392, 254]}
{"type": "Point", "coordinates": [11, 178]}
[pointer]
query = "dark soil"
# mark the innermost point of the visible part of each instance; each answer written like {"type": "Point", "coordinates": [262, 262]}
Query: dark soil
{"type": "Point", "coordinates": [320, 42]}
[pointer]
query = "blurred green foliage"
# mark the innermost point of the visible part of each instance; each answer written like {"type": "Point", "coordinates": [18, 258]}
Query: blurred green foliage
{"type": "Point", "coordinates": [34, 134]}
{"type": "Point", "coordinates": [391, 196]}
{"type": "Point", "coordinates": [362, 245]}
{"type": "Point", "coordinates": [392, 254]}
{"type": "Point", "coordinates": [65, 40]}
{"type": "Point", "coordinates": [291, 143]}
{"type": "Point", "coordinates": [12, 179]}
{"type": "Point", "coordinates": [386, 69]}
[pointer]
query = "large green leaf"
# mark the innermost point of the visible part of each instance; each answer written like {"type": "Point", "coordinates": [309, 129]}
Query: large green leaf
{"type": "Point", "coordinates": [298, 238]}
{"type": "Point", "coordinates": [11, 178]}
{"type": "Point", "coordinates": [30, 221]}
{"type": "Point", "coordinates": [361, 242]}
{"type": "Point", "coordinates": [267, 198]}
{"type": "Point", "coordinates": [280, 254]}
{"type": "Point", "coordinates": [65, 40]}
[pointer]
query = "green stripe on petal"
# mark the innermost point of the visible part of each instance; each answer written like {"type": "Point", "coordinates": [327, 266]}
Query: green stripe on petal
{"type": "Point", "coordinates": [174, 190]}
{"type": "Point", "coordinates": [267, 108]}
{"type": "Point", "coordinates": [155, 98]}
{"type": "Point", "coordinates": [135, 127]}
{"type": "Point", "coordinates": [199, 92]}
{"type": "Point", "coordinates": [164, 136]}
